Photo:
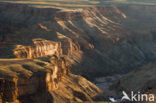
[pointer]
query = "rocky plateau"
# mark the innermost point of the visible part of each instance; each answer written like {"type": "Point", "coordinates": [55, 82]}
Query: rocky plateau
{"type": "Point", "coordinates": [48, 51]}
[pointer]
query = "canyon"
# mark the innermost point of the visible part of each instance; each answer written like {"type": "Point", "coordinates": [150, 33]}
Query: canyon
{"type": "Point", "coordinates": [96, 42]}
{"type": "Point", "coordinates": [44, 80]}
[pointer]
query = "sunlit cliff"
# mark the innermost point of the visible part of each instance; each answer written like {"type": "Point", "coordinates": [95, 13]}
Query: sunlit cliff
{"type": "Point", "coordinates": [51, 45]}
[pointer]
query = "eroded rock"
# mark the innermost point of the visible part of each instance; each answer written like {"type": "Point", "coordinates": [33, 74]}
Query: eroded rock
{"type": "Point", "coordinates": [38, 80]}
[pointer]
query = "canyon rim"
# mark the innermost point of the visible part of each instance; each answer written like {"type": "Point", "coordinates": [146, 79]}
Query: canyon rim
{"type": "Point", "coordinates": [77, 51]}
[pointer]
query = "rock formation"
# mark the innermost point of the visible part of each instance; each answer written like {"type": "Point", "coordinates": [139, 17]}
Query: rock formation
{"type": "Point", "coordinates": [35, 80]}
{"type": "Point", "coordinates": [102, 36]}
{"type": "Point", "coordinates": [40, 48]}
{"type": "Point", "coordinates": [8, 90]}
{"type": "Point", "coordinates": [143, 79]}
{"type": "Point", "coordinates": [91, 31]}
{"type": "Point", "coordinates": [43, 47]}
{"type": "Point", "coordinates": [95, 42]}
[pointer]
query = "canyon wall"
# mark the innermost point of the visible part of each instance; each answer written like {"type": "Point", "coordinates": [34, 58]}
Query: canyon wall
{"type": "Point", "coordinates": [94, 42]}
{"type": "Point", "coordinates": [105, 38]}
{"type": "Point", "coordinates": [43, 47]}
{"type": "Point", "coordinates": [90, 31]}
{"type": "Point", "coordinates": [42, 80]}
{"type": "Point", "coordinates": [143, 80]}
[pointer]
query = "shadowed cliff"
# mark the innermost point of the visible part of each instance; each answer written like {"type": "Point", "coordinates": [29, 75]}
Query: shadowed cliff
{"type": "Point", "coordinates": [95, 42]}
{"type": "Point", "coordinates": [107, 37]}
{"type": "Point", "coordinates": [92, 30]}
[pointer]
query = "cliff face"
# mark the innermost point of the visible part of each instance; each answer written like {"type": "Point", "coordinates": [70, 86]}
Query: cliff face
{"type": "Point", "coordinates": [41, 48]}
{"type": "Point", "coordinates": [44, 80]}
{"type": "Point", "coordinates": [95, 42]}
{"type": "Point", "coordinates": [107, 39]}
{"type": "Point", "coordinates": [143, 79]}
{"type": "Point", "coordinates": [81, 31]}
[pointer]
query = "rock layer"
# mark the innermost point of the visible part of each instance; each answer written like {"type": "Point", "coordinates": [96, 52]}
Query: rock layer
{"type": "Point", "coordinates": [8, 90]}
{"type": "Point", "coordinates": [40, 80]}
{"type": "Point", "coordinates": [101, 41]}
{"type": "Point", "coordinates": [43, 47]}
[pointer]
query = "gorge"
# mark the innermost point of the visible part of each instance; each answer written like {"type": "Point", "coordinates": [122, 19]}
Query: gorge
{"type": "Point", "coordinates": [93, 42]}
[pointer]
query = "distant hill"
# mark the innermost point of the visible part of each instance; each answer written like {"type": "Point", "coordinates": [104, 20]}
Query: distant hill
{"type": "Point", "coordinates": [125, 0]}
{"type": "Point", "coordinates": [142, 0]}
{"type": "Point", "coordinates": [79, 3]}
{"type": "Point", "coordinates": [138, 2]}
